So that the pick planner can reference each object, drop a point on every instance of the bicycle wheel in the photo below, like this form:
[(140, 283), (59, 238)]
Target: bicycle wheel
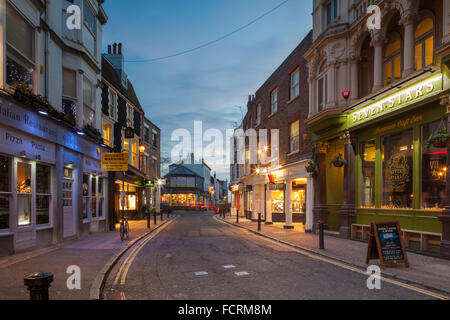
[(127, 229), (122, 231)]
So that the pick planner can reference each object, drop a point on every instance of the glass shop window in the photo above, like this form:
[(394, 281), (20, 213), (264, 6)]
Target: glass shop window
[(368, 174), (249, 200), (101, 196), (24, 195), (397, 155), (277, 201), (93, 197), (434, 170), (299, 196), (43, 194), (5, 191), (86, 195)]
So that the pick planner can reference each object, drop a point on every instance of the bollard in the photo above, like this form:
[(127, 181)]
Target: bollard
[(259, 221), (237, 217), (38, 285), (321, 235), (162, 215), (154, 217), (148, 219)]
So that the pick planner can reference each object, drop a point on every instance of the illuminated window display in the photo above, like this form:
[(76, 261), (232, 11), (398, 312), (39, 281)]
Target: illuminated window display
[(24, 195), (277, 201), (299, 196), (131, 202), (368, 174), (180, 200)]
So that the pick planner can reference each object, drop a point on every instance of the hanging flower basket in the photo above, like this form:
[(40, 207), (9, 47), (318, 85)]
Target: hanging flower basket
[(312, 167), (338, 162), (93, 133), (440, 139)]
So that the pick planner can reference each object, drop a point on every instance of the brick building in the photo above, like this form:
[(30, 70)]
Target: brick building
[(279, 190)]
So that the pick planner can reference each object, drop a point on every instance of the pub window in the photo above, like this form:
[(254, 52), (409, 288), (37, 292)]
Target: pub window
[(392, 59), (367, 153), (86, 196), (424, 44), (93, 197), (5, 191), (299, 196), (397, 154), (277, 201), (24, 195), (434, 171), (19, 48), (43, 194)]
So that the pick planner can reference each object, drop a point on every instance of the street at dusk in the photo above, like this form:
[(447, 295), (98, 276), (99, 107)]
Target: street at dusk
[(226, 159)]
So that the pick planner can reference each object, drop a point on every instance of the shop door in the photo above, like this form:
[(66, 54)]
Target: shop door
[(69, 212)]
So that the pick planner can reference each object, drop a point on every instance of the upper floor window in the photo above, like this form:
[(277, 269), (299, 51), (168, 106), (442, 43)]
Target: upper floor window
[(134, 151), (112, 104), (155, 139), (295, 136), (19, 48), (89, 18), (322, 87), (107, 133), (146, 134), (295, 83), (130, 115), (88, 103), (274, 101), (331, 12), (69, 99), (424, 44), (393, 59), (258, 115)]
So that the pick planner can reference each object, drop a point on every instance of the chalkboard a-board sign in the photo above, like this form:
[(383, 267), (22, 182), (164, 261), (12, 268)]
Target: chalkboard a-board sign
[(386, 244)]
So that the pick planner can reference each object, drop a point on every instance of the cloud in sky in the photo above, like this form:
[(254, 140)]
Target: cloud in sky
[(207, 84)]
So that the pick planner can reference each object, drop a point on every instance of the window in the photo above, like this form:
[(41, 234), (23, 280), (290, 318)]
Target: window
[(147, 134), (67, 193), (424, 47), (397, 154), (299, 196), (88, 103), (107, 133), (94, 197), (155, 168), (295, 84), (434, 171), (101, 196), (331, 12), (258, 115), (274, 101), (367, 153), (19, 48), (89, 18), (130, 115), (134, 153), (24, 194), (393, 60), (43, 195), (86, 196), (322, 88), (155, 139), (295, 136), (277, 201), (5, 191), (112, 100), (145, 164), (69, 99)]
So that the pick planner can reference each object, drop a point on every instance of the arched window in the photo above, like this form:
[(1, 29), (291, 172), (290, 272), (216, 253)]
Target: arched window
[(424, 44), (322, 87), (393, 59), (365, 82)]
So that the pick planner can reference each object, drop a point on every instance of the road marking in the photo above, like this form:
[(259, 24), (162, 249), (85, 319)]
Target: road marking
[(354, 269), (201, 273), (241, 273), (229, 267), (125, 267)]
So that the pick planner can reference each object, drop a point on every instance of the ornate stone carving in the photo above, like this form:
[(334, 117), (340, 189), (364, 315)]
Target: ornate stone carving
[(347, 137), (445, 102)]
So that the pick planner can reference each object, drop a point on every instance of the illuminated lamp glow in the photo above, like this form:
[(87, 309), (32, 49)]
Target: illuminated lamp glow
[(437, 152)]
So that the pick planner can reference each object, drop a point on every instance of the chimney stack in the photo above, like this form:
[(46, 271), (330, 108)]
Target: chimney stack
[(120, 48), (115, 48), (109, 49)]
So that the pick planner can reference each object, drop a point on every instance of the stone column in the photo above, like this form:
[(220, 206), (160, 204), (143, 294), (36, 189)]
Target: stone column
[(288, 208), (445, 217), (309, 205), (348, 209), (408, 55), (377, 43), (354, 78), (321, 210), (268, 206), (331, 85)]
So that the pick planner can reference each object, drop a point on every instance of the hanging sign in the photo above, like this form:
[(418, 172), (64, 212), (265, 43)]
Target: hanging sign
[(115, 161), (386, 244), (129, 133)]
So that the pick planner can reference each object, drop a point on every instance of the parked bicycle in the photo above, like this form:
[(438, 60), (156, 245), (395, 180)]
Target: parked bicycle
[(124, 229)]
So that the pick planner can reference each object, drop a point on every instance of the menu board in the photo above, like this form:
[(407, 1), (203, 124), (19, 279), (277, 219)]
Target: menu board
[(386, 244)]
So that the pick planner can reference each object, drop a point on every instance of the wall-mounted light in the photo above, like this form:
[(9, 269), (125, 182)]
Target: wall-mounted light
[(142, 148), (80, 132), (23, 154)]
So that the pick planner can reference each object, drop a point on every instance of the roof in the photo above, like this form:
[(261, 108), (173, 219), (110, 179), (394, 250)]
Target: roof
[(180, 170), (110, 75)]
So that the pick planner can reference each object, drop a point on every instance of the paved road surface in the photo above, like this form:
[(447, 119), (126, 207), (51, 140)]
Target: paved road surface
[(187, 259)]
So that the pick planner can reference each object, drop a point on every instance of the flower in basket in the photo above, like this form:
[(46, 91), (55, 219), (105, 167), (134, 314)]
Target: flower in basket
[(312, 167), (338, 161), (440, 139)]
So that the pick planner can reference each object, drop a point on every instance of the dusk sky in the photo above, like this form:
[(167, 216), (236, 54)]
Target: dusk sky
[(209, 83)]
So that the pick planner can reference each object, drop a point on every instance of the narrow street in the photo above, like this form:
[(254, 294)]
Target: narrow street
[(198, 257)]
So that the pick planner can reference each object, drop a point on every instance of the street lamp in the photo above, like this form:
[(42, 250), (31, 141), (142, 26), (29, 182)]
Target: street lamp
[(142, 148)]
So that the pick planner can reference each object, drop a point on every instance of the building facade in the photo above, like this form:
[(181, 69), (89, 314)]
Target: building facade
[(151, 160), (379, 99), (51, 184), (280, 189)]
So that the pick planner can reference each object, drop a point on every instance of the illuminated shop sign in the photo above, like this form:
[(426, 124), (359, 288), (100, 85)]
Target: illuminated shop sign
[(398, 100)]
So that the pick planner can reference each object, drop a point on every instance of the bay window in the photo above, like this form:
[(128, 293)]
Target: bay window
[(19, 48), (69, 100), (322, 87), (88, 103)]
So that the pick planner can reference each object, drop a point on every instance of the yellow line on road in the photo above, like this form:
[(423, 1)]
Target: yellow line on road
[(347, 267), (123, 271)]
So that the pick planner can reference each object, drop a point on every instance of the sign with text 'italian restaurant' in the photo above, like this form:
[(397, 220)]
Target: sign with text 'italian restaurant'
[(403, 98), (114, 161)]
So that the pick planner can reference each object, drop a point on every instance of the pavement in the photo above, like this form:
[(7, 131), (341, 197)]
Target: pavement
[(429, 272), (90, 253), (198, 257)]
